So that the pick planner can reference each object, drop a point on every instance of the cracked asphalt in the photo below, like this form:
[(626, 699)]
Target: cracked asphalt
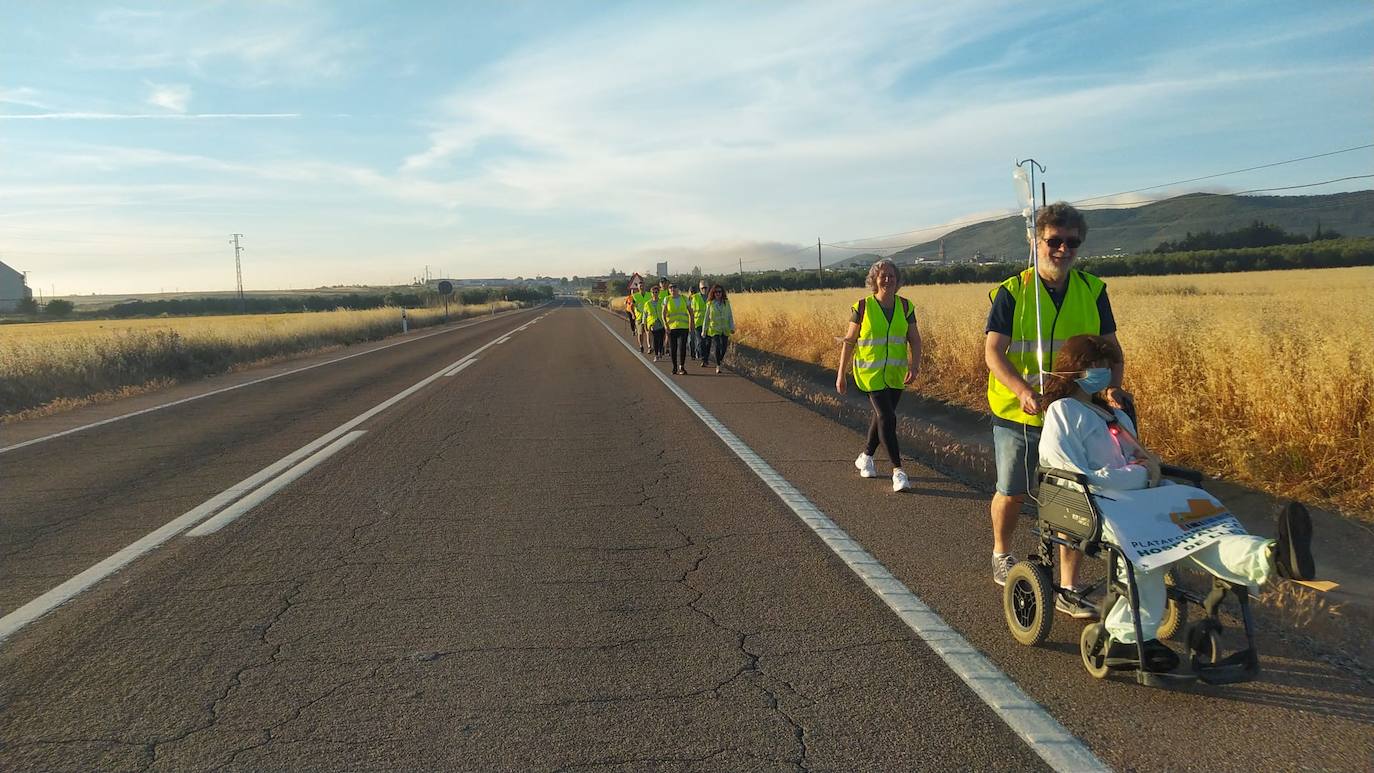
[(543, 563)]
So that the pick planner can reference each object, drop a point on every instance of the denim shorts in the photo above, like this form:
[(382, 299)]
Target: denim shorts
[(1018, 454)]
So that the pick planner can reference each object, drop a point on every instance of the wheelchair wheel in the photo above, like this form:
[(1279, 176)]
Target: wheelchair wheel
[(1175, 611), (1204, 642), (1028, 602), (1092, 646)]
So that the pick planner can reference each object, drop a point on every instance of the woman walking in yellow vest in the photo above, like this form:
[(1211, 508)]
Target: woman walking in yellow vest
[(677, 315), (653, 320), (883, 348), (718, 326)]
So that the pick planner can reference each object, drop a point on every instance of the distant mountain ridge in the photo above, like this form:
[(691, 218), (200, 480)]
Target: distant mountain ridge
[(1140, 229)]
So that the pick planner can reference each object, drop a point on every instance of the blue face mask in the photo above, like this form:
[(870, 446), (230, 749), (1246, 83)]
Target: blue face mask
[(1095, 380)]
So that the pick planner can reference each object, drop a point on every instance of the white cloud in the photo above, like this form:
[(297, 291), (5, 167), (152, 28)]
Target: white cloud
[(296, 43), (93, 116), (24, 97), (170, 96)]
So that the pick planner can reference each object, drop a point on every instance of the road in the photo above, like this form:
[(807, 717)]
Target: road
[(547, 559)]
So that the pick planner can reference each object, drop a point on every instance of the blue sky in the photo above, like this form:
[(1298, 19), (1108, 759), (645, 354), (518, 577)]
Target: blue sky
[(356, 142)]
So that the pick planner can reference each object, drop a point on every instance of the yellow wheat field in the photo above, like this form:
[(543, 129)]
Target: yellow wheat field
[(62, 362), (1265, 378)]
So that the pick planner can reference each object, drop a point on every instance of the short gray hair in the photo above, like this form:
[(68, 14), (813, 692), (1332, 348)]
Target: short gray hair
[(872, 281)]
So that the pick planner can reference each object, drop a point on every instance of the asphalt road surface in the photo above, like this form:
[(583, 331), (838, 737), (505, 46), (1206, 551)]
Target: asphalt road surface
[(544, 558)]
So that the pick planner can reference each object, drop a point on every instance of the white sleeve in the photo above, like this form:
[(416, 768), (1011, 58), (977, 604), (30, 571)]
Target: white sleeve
[(1064, 444)]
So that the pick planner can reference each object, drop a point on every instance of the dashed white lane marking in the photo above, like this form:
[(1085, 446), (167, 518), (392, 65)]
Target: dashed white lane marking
[(69, 589), (228, 514), (456, 369), (1043, 733), (212, 393)]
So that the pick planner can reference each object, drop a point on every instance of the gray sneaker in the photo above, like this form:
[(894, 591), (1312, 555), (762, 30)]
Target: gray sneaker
[(1000, 566), (1078, 610)]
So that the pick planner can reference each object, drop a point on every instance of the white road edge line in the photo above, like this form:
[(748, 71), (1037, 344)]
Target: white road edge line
[(69, 589), (212, 393), (1028, 719), (227, 515)]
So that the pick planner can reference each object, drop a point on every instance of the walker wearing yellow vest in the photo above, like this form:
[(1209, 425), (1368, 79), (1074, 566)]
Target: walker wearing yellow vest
[(882, 348), (653, 320), (677, 315), (1032, 314), (639, 297)]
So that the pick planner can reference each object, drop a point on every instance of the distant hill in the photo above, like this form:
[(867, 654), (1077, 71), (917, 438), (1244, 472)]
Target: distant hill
[(1141, 229)]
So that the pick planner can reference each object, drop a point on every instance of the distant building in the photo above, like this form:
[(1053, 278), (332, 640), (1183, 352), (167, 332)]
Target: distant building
[(661, 269), (13, 289)]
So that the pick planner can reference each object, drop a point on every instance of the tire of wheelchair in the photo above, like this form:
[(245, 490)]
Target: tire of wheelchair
[(1028, 602), (1204, 642), (1092, 647), (1175, 611)]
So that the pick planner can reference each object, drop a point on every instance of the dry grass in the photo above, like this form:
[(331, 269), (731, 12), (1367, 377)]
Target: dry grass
[(50, 365), (1266, 378)]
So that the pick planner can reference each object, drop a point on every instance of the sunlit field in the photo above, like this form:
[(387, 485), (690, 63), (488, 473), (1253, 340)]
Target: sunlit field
[(60, 362), (1266, 378)]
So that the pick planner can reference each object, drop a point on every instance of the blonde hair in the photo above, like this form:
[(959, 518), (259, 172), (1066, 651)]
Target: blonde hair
[(871, 282)]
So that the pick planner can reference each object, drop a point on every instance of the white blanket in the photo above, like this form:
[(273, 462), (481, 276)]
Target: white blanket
[(1158, 526)]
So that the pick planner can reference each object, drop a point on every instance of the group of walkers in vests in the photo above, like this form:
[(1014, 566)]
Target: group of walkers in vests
[(1051, 349), (882, 352), (1054, 389), (693, 325)]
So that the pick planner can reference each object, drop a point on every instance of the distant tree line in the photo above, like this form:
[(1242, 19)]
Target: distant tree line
[(258, 304), (1257, 234), (1323, 253)]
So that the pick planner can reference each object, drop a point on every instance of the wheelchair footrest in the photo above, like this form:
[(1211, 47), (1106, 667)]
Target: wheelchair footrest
[(1240, 666)]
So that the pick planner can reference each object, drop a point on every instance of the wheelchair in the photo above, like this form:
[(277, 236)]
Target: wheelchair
[(1068, 515)]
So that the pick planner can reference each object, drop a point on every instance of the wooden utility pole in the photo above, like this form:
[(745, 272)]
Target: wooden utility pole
[(820, 268)]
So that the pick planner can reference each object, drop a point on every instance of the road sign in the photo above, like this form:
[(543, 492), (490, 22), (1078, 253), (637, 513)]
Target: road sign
[(445, 287)]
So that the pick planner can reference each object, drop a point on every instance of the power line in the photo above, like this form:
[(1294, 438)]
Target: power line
[(1308, 185), (1234, 171), (840, 244)]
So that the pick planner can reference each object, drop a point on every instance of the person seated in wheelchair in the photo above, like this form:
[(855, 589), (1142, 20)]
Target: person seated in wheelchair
[(1083, 434)]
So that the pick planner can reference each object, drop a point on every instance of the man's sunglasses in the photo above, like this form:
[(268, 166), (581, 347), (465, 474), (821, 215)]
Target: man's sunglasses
[(1054, 243)]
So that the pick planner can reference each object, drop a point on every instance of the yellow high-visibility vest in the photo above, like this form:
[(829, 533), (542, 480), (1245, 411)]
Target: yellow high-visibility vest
[(652, 313), (880, 360), (675, 310), (698, 302), (1077, 315)]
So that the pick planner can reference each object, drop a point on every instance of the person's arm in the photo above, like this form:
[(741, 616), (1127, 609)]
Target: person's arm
[(913, 341), (846, 356), (995, 355)]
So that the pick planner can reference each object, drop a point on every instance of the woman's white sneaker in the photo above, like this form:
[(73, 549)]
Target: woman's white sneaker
[(899, 480), (865, 465)]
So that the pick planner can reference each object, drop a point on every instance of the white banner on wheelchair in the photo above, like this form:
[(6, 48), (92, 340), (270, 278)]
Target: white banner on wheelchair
[(1155, 527)]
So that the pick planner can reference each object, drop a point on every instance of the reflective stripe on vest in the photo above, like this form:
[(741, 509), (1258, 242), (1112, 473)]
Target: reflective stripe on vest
[(1077, 315), (880, 360), (675, 310)]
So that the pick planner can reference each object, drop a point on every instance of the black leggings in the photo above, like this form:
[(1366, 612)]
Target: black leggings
[(658, 341), (884, 424), (677, 344), (630, 316), (719, 342)]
